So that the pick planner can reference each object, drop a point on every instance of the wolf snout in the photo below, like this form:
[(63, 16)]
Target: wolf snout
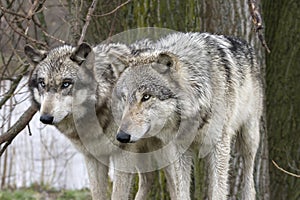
[(46, 119), (123, 137)]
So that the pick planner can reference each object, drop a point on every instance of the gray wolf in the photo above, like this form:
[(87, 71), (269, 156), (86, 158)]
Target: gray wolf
[(198, 84), (52, 85)]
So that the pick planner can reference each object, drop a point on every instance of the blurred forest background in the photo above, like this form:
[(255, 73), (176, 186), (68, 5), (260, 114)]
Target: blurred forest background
[(40, 156)]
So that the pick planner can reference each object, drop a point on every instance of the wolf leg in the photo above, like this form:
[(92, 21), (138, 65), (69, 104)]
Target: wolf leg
[(218, 162), (170, 182), (180, 172), (121, 185), (145, 183), (248, 141), (123, 182), (98, 177)]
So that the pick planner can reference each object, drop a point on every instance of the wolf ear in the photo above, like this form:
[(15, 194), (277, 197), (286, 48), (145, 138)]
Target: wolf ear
[(34, 56), (81, 53), (89, 61), (119, 57), (167, 61)]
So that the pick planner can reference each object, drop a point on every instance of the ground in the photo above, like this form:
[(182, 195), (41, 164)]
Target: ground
[(50, 194)]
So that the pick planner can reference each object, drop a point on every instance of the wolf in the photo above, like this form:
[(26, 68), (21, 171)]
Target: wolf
[(52, 85), (200, 87)]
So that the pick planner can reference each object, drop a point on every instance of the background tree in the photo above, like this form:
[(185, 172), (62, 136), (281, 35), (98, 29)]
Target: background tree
[(283, 98)]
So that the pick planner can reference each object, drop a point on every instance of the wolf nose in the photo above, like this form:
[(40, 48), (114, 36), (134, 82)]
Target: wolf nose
[(46, 119), (123, 137)]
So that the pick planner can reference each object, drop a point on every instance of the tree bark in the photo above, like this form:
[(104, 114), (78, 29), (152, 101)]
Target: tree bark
[(283, 98)]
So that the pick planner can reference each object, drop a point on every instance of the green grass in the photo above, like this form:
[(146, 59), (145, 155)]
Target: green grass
[(32, 194)]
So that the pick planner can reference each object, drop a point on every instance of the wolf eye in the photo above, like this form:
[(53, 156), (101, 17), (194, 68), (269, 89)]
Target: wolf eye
[(123, 97), (42, 83), (146, 97), (65, 85)]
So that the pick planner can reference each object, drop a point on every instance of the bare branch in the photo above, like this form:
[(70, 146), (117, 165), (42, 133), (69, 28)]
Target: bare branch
[(13, 131), (283, 170), (35, 8), (257, 21), (32, 9), (87, 21), (114, 10), (45, 32), (4, 10), (11, 91), (23, 34)]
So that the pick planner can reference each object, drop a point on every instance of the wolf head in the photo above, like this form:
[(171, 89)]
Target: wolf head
[(53, 79), (146, 98)]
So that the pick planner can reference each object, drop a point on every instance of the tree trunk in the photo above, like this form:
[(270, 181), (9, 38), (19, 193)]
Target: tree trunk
[(283, 98)]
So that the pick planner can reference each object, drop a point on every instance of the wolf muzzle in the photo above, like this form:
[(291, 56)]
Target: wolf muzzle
[(123, 137), (47, 119)]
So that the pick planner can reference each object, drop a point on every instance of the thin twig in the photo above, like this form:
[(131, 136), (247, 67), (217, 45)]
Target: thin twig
[(114, 10), (45, 32), (29, 129), (281, 169), (37, 5), (35, 8), (257, 21), (24, 35), (4, 10), (7, 7), (87, 21), (11, 91)]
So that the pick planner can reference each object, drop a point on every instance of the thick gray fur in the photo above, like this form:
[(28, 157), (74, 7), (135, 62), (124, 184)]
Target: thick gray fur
[(205, 80)]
